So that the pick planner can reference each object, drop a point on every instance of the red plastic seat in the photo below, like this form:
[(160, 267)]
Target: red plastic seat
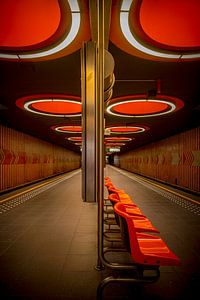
[(108, 184), (116, 197), (145, 249), (140, 222), (113, 189)]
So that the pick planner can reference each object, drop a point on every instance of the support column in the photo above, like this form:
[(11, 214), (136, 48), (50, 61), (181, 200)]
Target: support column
[(89, 120), (100, 126)]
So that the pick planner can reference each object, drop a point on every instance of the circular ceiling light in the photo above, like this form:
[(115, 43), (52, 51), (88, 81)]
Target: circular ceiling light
[(126, 129), (20, 18), (133, 31), (117, 139), (60, 106), (37, 29), (75, 139), (68, 129), (183, 29), (137, 106)]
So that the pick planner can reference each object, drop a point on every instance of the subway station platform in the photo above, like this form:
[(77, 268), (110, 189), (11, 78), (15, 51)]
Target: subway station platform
[(48, 241)]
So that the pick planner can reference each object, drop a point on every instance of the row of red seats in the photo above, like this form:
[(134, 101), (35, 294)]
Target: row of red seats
[(139, 235)]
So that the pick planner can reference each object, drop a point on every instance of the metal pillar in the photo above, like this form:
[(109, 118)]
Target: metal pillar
[(100, 127), (89, 120)]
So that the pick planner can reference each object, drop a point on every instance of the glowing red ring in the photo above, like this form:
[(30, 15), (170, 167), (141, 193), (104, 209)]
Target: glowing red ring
[(75, 139), (125, 129), (167, 105), (38, 104), (67, 128)]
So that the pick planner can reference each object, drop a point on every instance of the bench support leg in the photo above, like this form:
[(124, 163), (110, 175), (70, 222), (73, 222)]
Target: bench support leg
[(115, 279)]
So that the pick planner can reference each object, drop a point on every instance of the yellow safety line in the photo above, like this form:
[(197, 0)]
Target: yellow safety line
[(160, 186), (31, 189), (175, 193)]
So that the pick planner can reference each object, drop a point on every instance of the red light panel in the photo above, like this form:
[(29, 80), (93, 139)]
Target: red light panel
[(68, 129), (173, 23), (28, 22), (157, 29), (57, 107), (140, 108), (124, 129), (75, 139)]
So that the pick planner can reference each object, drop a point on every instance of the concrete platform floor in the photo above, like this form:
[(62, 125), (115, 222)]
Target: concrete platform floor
[(48, 246)]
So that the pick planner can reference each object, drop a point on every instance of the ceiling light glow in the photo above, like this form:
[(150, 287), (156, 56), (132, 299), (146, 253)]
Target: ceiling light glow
[(75, 139), (141, 108), (68, 39), (126, 129), (113, 149), (129, 35), (54, 107), (68, 128)]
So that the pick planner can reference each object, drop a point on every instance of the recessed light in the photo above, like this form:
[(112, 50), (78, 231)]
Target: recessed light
[(126, 129), (51, 105), (139, 106), (75, 139), (133, 32), (68, 128), (55, 47), (54, 107)]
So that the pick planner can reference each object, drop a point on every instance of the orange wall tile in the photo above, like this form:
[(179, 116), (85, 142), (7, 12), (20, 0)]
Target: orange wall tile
[(24, 159), (175, 160)]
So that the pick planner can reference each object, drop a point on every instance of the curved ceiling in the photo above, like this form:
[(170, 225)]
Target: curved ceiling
[(40, 30), (154, 96), (175, 23), (157, 29), (27, 17)]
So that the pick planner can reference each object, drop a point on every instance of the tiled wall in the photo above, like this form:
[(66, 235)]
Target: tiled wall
[(175, 160), (24, 158)]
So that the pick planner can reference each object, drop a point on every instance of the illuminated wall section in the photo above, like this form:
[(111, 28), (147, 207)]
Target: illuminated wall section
[(175, 160), (24, 159)]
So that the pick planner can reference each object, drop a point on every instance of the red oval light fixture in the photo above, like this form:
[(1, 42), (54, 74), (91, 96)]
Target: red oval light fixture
[(67, 128), (157, 29), (40, 30), (139, 106), (75, 139), (175, 23), (126, 129), (27, 23), (51, 105), (117, 139)]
